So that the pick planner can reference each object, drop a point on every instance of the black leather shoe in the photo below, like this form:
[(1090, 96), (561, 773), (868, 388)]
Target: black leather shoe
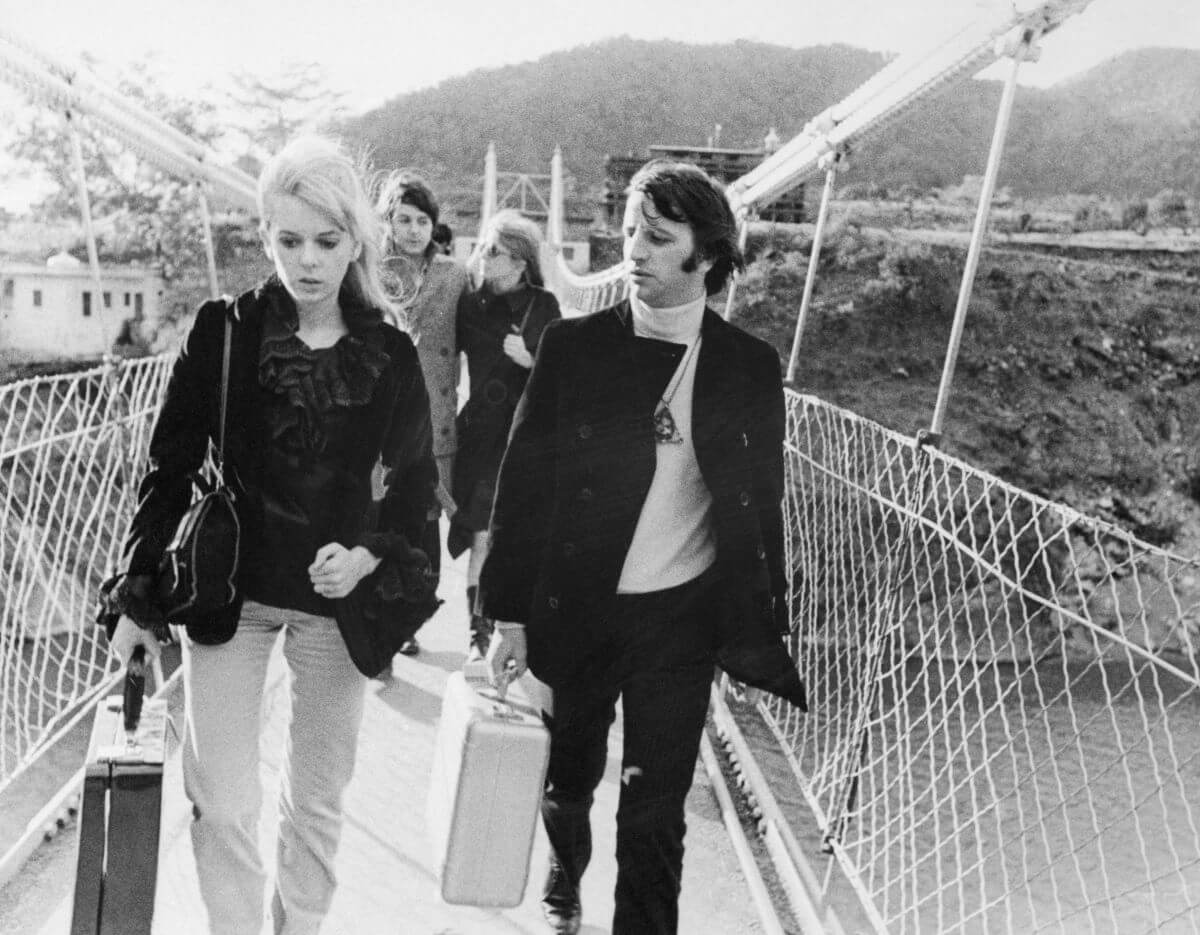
[(560, 902), (410, 647)]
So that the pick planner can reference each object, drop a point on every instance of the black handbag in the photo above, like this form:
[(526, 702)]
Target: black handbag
[(197, 582)]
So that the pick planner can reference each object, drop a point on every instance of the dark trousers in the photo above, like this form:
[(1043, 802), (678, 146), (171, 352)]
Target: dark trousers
[(657, 656)]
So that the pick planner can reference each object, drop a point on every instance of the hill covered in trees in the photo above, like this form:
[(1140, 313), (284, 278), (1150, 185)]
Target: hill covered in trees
[(1128, 127)]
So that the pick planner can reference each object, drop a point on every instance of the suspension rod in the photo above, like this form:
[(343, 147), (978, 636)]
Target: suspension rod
[(979, 230), (89, 229), (210, 252), (814, 258)]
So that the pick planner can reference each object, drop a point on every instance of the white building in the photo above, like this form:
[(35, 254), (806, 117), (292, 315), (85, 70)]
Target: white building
[(54, 311)]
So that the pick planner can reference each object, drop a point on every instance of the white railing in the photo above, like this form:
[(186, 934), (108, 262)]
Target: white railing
[(72, 450), (1004, 732)]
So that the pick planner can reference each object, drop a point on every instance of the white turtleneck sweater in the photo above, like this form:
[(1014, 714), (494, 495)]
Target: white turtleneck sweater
[(675, 539)]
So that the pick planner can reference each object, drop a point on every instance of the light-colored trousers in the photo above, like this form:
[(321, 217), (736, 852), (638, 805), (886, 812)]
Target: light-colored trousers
[(224, 691)]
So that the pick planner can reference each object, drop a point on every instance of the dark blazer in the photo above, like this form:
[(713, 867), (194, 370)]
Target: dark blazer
[(394, 425), (579, 464)]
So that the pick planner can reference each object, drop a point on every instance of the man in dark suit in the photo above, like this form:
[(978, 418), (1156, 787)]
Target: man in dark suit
[(637, 540)]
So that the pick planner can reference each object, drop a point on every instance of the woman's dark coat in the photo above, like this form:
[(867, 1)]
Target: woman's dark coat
[(484, 321), (580, 461), (392, 425)]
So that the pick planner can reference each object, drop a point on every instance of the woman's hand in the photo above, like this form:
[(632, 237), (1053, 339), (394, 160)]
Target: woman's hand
[(336, 570), (128, 636), (518, 353)]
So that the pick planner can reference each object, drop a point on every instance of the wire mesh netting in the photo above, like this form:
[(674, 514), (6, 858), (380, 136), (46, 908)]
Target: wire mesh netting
[(1005, 725), (1005, 694), (72, 449)]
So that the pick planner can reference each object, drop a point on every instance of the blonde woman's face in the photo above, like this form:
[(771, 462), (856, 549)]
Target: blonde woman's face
[(310, 252), (498, 266)]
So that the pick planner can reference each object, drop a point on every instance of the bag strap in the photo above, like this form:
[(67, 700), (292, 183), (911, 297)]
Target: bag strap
[(224, 388)]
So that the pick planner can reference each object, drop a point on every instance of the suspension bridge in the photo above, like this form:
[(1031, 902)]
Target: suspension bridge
[(957, 771)]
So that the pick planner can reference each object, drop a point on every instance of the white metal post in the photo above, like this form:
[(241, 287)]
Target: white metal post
[(209, 250), (980, 229), (743, 235), (554, 222), (814, 258), (89, 231), (488, 206)]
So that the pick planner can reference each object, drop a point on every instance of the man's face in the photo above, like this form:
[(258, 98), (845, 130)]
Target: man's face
[(663, 271), (411, 230)]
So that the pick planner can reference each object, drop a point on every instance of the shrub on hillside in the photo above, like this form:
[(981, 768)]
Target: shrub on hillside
[(1135, 216), (863, 191), (913, 281), (1169, 208), (1093, 216)]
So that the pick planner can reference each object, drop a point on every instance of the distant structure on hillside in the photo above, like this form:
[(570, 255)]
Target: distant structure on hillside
[(52, 311), (723, 164)]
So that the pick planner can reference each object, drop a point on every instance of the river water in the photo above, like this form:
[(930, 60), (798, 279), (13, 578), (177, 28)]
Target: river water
[(1060, 797)]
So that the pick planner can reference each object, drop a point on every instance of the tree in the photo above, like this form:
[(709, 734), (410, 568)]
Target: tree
[(270, 111), (140, 212)]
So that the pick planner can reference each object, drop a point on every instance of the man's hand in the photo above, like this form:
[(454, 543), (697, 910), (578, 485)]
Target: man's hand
[(518, 353), (507, 654), (128, 636), (336, 570)]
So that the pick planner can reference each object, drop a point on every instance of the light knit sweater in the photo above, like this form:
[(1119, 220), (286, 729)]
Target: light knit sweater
[(675, 539)]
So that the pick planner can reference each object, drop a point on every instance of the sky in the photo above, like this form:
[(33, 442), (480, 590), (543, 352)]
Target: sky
[(376, 49), (373, 50)]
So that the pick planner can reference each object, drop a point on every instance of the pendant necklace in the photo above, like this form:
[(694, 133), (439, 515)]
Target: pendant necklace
[(666, 432)]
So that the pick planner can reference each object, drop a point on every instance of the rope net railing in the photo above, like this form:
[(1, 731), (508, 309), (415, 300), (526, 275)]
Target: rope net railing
[(1004, 725), (72, 451)]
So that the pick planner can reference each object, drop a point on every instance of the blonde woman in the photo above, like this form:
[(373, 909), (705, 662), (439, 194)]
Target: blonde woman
[(321, 387), (499, 327)]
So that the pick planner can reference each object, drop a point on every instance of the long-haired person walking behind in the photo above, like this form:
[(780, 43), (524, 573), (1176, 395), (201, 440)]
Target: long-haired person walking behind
[(499, 327), (428, 286), (320, 389)]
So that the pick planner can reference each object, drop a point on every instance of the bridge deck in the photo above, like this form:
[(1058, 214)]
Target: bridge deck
[(387, 879)]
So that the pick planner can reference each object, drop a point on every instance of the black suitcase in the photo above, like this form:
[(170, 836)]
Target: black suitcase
[(120, 814)]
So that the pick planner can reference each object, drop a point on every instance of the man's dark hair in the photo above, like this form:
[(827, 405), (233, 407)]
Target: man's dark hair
[(443, 236), (686, 194), (407, 188)]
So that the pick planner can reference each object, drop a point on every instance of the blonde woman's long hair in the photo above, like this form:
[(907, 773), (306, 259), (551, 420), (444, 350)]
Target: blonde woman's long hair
[(319, 172), (519, 236)]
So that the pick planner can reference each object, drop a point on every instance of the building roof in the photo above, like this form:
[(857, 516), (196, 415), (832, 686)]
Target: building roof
[(108, 273)]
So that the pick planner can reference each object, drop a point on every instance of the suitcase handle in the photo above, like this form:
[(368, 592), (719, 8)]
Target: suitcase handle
[(135, 688)]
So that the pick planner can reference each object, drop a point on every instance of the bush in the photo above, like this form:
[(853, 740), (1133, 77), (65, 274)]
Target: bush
[(1170, 209), (863, 191), (914, 281), (1135, 216), (1093, 216)]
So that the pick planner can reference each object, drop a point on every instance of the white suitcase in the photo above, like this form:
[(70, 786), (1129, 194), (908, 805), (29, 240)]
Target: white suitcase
[(489, 767)]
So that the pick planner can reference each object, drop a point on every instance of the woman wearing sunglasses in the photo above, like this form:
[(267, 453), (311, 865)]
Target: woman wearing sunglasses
[(499, 326)]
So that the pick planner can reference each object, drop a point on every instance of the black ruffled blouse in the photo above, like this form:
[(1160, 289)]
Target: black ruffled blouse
[(310, 494), (304, 433)]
